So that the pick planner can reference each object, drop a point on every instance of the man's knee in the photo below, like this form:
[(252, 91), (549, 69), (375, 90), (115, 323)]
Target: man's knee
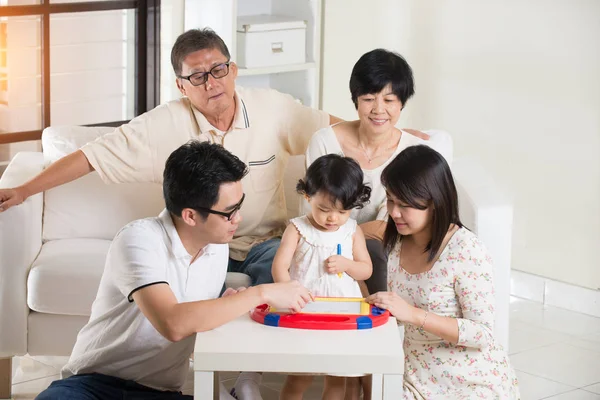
[(259, 263), (260, 272), (268, 249)]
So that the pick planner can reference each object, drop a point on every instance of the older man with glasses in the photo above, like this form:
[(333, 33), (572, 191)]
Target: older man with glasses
[(260, 126)]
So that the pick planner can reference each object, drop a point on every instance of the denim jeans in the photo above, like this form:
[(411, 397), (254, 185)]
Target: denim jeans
[(258, 263), (101, 387)]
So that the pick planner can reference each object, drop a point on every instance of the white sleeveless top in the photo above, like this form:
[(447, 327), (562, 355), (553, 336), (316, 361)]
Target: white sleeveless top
[(314, 247)]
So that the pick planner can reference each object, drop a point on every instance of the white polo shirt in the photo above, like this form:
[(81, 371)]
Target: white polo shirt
[(268, 127), (119, 340)]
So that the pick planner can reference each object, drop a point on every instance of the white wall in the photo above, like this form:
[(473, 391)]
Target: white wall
[(171, 26), (517, 83)]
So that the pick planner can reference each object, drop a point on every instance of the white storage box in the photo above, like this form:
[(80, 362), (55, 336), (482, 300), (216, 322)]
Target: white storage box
[(270, 40)]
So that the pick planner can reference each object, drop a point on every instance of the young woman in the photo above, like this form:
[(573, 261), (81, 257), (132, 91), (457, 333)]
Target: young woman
[(440, 286)]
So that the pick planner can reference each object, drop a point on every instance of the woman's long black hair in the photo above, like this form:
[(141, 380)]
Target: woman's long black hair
[(420, 177)]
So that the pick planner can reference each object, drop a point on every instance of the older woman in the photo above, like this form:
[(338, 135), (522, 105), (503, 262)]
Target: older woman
[(380, 85)]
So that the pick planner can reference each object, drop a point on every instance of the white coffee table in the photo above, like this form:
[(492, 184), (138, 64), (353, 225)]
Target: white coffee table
[(244, 345)]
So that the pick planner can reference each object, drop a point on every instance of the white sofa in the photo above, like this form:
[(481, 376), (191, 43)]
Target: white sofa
[(53, 246)]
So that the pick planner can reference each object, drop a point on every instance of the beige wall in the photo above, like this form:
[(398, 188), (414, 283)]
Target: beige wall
[(517, 84)]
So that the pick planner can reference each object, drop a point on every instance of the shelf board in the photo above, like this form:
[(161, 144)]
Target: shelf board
[(275, 69)]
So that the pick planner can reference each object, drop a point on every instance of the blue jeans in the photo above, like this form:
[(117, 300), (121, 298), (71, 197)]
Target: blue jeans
[(258, 263), (101, 387)]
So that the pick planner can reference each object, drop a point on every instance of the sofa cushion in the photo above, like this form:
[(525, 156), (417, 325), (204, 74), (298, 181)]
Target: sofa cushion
[(89, 208), (86, 207), (58, 141), (65, 277)]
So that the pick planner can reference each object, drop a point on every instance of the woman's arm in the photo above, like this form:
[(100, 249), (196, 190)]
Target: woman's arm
[(283, 258), (444, 327), (361, 267), (474, 289)]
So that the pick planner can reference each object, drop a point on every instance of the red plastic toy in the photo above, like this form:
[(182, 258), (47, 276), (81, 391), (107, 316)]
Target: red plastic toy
[(368, 317)]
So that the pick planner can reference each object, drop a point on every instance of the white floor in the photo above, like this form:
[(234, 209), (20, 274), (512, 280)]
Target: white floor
[(556, 354)]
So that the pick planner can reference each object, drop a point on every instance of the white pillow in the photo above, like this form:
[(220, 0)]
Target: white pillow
[(86, 207)]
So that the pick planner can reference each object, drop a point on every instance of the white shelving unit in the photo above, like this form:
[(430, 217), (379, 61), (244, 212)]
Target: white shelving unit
[(300, 80)]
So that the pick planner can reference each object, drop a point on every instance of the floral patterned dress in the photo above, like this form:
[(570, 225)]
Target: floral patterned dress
[(459, 285)]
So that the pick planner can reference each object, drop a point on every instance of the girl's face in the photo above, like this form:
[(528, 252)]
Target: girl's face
[(379, 112), (408, 220), (325, 215)]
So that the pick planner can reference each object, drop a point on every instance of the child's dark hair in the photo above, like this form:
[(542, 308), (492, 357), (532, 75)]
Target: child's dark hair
[(420, 177), (340, 177)]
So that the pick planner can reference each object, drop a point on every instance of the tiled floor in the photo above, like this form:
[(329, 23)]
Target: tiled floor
[(556, 354)]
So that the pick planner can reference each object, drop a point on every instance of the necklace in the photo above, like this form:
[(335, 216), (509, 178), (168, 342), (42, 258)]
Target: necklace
[(375, 156)]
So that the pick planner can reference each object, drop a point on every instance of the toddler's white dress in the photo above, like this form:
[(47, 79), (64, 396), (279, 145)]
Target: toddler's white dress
[(314, 247)]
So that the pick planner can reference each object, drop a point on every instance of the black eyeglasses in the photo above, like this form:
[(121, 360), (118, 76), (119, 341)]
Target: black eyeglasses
[(229, 215), (200, 78)]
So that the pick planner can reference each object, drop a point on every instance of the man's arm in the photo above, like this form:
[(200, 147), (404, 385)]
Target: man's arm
[(65, 170), (334, 120), (419, 134), (176, 321)]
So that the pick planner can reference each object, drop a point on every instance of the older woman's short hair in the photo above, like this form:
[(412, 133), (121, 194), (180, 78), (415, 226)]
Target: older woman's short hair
[(379, 68)]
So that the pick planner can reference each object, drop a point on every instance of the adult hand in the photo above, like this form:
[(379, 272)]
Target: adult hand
[(286, 295), (419, 134), (337, 264), (395, 304), (11, 197), (230, 291)]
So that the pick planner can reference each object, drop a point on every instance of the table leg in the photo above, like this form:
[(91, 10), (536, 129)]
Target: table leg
[(377, 387), (392, 386), (203, 385)]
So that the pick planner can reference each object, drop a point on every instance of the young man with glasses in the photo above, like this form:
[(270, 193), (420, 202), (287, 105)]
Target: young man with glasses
[(161, 285)]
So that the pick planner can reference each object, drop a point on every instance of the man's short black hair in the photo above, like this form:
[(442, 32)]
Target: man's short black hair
[(195, 172), (379, 68)]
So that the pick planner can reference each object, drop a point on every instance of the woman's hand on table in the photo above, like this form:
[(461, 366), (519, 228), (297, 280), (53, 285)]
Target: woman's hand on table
[(396, 305)]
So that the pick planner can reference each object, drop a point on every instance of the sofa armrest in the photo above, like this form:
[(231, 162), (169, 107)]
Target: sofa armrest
[(488, 211), (20, 243)]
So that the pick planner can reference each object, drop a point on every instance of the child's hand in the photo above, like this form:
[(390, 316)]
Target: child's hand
[(395, 304), (337, 264)]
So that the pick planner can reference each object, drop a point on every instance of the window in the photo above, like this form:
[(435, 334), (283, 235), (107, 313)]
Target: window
[(65, 62)]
